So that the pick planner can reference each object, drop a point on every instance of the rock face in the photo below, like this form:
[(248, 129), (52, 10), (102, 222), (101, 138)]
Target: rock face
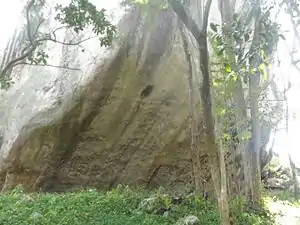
[(126, 123), (121, 119)]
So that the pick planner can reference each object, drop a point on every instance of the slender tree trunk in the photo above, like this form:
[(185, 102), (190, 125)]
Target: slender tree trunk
[(241, 121), (215, 159), (255, 140), (254, 92), (211, 139), (215, 151), (223, 202)]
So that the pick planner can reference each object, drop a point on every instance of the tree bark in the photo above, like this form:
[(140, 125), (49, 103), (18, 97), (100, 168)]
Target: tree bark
[(254, 92), (255, 140), (214, 150)]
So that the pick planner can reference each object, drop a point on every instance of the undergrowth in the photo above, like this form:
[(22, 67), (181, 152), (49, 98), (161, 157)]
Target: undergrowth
[(117, 207), (285, 197)]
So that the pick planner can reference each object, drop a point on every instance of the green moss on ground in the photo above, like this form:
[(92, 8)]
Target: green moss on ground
[(117, 207)]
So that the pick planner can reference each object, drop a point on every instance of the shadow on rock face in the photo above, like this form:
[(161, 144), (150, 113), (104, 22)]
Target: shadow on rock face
[(119, 129)]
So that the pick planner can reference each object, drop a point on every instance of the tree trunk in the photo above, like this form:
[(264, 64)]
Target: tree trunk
[(213, 149), (255, 140), (254, 92), (241, 126), (215, 153)]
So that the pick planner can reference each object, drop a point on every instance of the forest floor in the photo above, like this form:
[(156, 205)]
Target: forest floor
[(285, 209)]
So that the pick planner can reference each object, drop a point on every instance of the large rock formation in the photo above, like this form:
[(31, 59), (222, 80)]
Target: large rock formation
[(125, 123), (121, 118)]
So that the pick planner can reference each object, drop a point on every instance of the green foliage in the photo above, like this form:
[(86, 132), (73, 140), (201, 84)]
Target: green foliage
[(80, 14), (155, 4), (149, 8), (119, 206), (38, 58), (246, 49), (85, 207), (249, 56)]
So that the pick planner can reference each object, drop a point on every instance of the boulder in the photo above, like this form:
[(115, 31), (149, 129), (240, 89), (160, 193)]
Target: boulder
[(120, 120), (121, 117)]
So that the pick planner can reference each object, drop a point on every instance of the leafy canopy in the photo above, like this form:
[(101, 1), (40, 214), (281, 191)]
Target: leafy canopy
[(80, 14)]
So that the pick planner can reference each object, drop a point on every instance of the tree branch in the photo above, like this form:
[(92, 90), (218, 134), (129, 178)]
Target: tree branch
[(65, 43), (57, 29), (31, 49), (12, 63), (48, 65), (185, 18)]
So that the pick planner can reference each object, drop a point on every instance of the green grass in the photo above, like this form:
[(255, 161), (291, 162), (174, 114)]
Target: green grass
[(285, 197), (117, 207)]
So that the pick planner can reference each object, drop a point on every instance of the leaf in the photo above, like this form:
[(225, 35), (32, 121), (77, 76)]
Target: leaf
[(44, 61), (227, 68), (214, 27), (263, 70)]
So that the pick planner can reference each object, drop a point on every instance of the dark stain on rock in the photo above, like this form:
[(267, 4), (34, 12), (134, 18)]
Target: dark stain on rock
[(147, 91)]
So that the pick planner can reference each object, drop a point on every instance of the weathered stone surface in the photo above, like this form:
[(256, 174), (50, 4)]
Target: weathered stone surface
[(126, 124), (122, 118)]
